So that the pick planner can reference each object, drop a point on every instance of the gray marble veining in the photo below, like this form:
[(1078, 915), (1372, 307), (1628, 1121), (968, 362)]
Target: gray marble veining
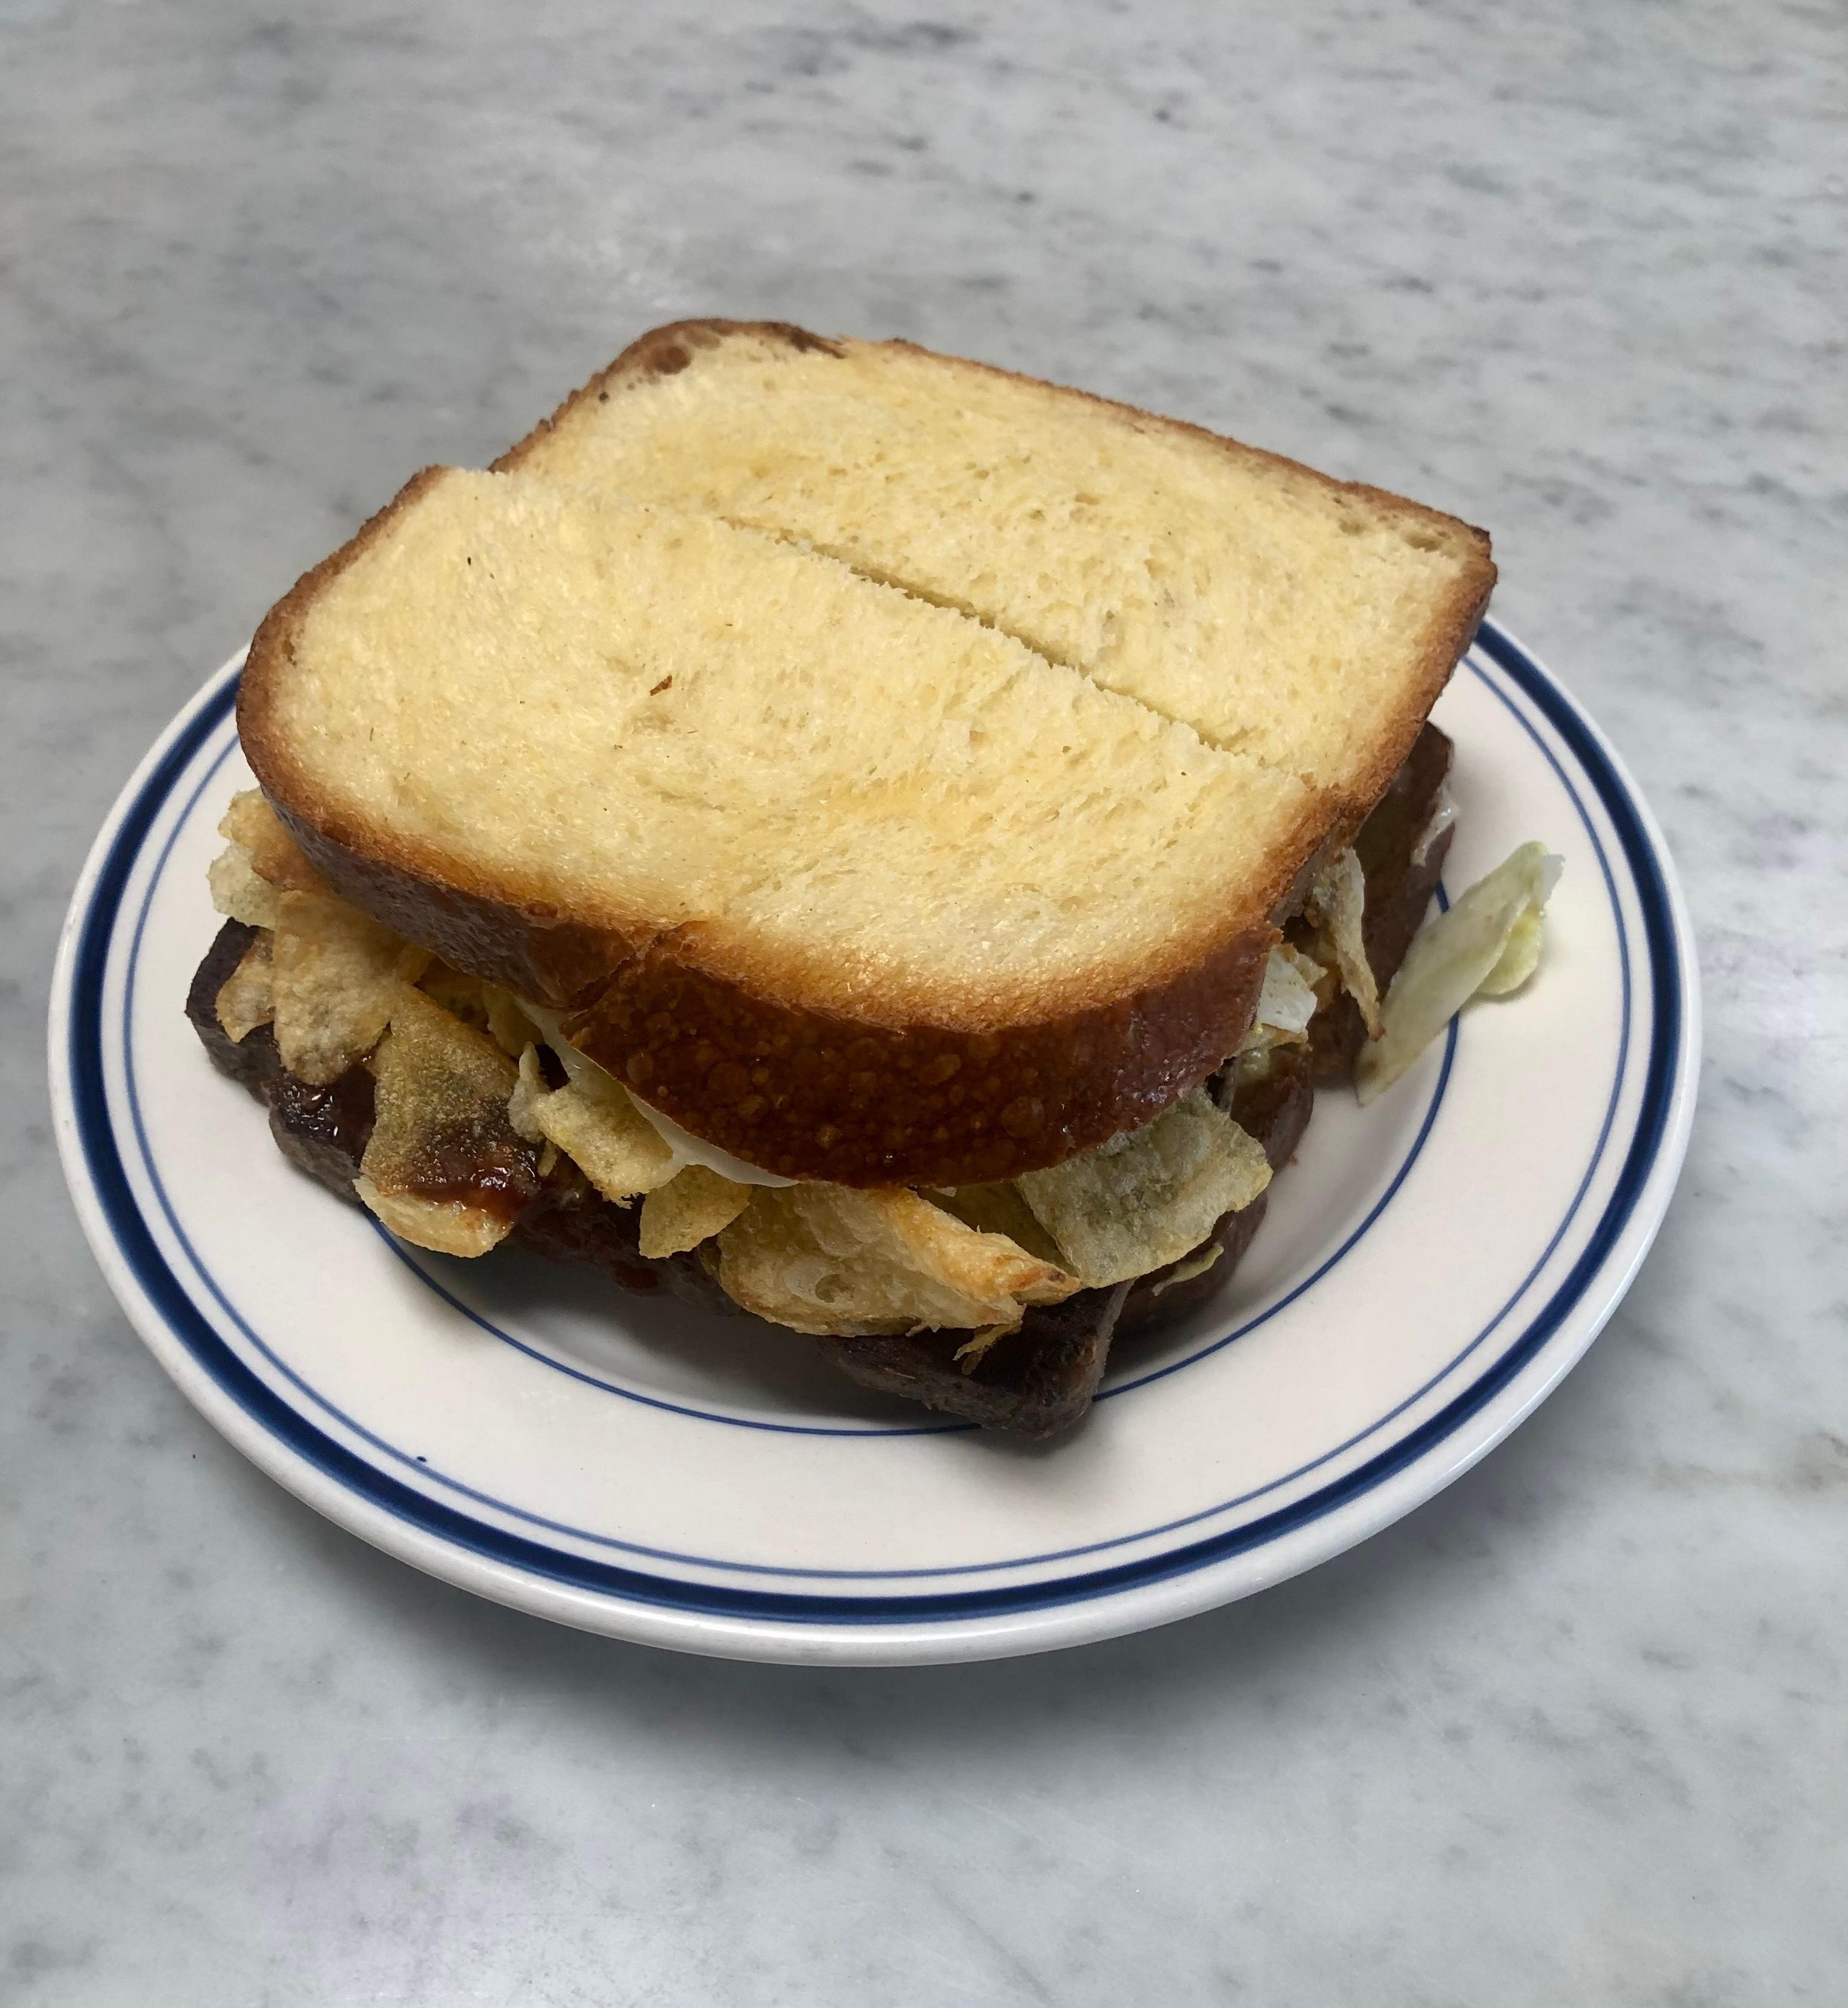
[(1575, 1731)]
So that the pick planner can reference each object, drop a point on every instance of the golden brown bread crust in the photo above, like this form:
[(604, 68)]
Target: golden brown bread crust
[(814, 1096), (803, 1091), (665, 351)]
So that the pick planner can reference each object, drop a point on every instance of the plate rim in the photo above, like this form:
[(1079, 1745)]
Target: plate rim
[(905, 1628)]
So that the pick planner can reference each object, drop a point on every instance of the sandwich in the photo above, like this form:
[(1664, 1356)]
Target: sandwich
[(858, 840)]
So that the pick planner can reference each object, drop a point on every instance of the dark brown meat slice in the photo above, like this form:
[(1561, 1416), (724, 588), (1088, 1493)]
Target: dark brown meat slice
[(1034, 1383)]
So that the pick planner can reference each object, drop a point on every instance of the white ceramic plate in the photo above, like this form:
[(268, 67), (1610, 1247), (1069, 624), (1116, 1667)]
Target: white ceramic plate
[(1428, 1269)]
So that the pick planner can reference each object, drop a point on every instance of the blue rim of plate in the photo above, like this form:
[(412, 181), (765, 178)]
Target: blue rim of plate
[(135, 1243)]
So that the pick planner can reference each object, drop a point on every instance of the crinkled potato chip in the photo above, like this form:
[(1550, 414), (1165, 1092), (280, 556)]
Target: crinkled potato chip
[(274, 854), (260, 862), (239, 892), (336, 977), (1148, 1198), (441, 1131), (1487, 945), (691, 1207), (244, 999), (509, 1026), (999, 1209), (611, 1145), (459, 994), (483, 1005), (440, 1085), (1337, 906), (836, 1262), (447, 1226), (592, 1120)]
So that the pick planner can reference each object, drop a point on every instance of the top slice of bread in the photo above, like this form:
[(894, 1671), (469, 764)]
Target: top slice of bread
[(862, 859), (1310, 622)]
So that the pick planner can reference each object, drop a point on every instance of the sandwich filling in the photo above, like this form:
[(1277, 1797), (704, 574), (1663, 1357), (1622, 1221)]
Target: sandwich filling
[(477, 1097), (460, 1063)]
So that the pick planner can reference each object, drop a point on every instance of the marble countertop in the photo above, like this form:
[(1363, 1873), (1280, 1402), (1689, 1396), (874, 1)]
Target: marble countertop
[(1574, 1731)]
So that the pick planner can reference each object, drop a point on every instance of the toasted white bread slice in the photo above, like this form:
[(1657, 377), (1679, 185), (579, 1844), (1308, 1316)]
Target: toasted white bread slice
[(1309, 621), (896, 766), (850, 884)]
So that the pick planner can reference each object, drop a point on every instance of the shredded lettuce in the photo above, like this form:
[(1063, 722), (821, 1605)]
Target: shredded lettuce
[(1487, 945)]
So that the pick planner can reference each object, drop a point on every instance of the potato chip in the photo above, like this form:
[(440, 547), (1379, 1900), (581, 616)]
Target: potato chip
[(837, 1262), (260, 863), (436, 1078), (459, 994), (691, 1207), (1487, 945), (592, 1120), (440, 1131), (483, 1005), (1149, 1197), (336, 977), (1336, 906), (447, 1226), (607, 1139), (999, 1209), (239, 892), (274, 855), (244, 999), (508, 1025)]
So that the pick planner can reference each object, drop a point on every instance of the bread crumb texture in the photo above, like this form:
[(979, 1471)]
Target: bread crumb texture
[(669, 725), (1274, 611)]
